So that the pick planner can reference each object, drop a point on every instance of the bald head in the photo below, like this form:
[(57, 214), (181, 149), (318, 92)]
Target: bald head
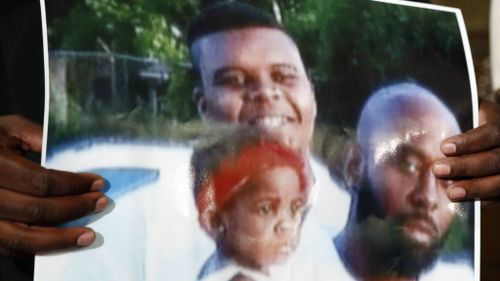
[(397, 113)]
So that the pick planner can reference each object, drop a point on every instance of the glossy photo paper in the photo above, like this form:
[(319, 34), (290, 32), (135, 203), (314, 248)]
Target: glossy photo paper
[(273, 140)]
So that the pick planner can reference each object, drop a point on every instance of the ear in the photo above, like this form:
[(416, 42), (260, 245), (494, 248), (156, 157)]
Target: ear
[(200, 100), (313, 92), (211, 223), (354, 167), (315, 107)]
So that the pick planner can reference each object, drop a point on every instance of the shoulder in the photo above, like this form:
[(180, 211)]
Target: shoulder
[(217, 268), (330, 202)]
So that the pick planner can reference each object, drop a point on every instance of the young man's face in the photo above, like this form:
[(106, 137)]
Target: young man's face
[(255, 77), (399, 172), (262, 220)]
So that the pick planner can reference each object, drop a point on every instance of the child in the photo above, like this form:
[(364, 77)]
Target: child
[(251, 200)]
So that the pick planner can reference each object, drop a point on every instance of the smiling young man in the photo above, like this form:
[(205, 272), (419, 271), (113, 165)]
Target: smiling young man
[(400, 213), (251, 73)]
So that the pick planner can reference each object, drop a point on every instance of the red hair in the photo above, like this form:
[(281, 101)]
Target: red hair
[(232, 173)]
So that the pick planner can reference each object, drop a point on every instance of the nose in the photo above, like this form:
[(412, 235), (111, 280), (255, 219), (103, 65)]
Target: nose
[(264, 90), (425, 192), (284, 228), (286, 224)]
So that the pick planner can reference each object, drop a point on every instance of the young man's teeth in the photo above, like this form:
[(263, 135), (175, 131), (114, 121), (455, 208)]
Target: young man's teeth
[(270, 121)]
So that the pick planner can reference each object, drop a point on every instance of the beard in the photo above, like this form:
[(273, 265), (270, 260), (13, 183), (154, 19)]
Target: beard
[(390, 249)]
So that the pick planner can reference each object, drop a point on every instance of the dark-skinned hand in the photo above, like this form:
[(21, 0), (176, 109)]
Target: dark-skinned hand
[(473, 159), (33, 200)]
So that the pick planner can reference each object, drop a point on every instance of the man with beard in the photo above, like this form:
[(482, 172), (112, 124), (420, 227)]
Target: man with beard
[(400, 213)]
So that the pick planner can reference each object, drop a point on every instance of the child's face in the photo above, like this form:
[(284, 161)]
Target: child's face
[(262, 220)]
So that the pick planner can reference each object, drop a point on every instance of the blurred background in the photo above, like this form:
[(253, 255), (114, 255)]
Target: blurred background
[(477, 19), (124, 66)]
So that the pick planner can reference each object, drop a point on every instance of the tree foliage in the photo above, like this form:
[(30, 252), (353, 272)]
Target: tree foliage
[(350, 47), (355, 47)]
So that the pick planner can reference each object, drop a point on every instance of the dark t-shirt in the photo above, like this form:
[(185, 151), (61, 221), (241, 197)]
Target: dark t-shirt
[(21, 85)]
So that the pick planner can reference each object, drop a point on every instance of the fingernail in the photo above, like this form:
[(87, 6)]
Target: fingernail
[(85, 239), (441, 169), (101, 204), (98, 185), (457, 193), (449, 148)]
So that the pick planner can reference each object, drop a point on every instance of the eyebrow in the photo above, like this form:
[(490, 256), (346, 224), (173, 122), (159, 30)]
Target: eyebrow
[(219, 72), (276, 66), (284, 65), (406, 148), (265, 196)]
